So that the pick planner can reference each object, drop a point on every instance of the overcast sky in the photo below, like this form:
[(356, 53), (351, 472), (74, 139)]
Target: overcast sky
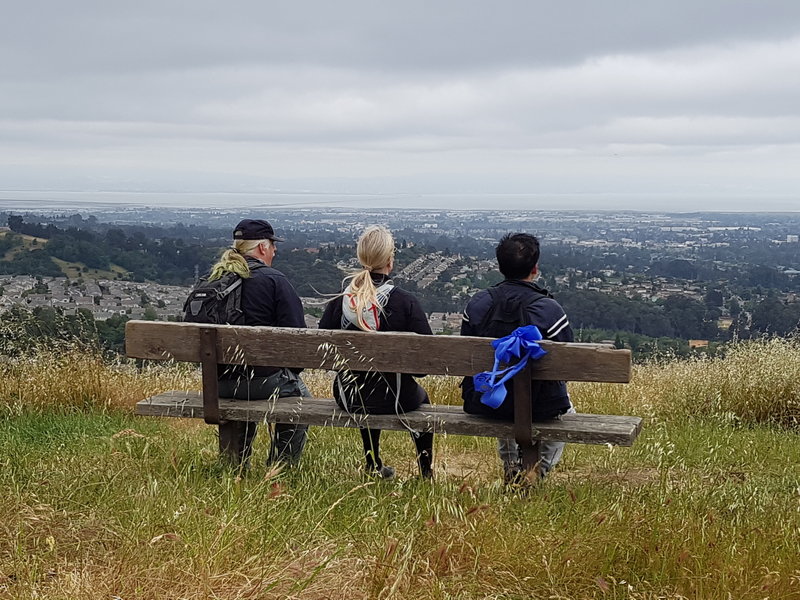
[(685, 105)]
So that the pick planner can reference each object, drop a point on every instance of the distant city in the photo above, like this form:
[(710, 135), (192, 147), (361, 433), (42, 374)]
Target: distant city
[(729, 264)]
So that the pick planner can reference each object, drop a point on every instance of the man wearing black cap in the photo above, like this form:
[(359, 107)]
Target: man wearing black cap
[(267, 299)]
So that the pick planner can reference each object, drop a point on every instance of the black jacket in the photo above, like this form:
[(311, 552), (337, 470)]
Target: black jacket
[(550, 398), (267, 299), (375, 392)]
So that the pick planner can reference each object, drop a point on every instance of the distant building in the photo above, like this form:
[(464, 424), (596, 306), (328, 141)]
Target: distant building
[(437, 321), (698, 344)]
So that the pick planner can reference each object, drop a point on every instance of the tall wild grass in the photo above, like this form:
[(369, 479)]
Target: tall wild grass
[(756, 381), (72, 377), (95, 503)]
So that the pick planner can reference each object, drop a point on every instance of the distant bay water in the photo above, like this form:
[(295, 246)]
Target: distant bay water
[(59, 200)]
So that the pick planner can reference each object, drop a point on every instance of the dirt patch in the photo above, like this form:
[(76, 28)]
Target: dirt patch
[(464, 465), (632, 477)]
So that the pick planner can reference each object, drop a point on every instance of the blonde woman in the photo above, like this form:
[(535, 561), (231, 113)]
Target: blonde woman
[(371, 302), (267, 299)]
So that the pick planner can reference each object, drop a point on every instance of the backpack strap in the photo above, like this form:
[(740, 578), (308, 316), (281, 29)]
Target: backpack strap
[(495, 293), (533, 293), (507, 309), (234, 307)]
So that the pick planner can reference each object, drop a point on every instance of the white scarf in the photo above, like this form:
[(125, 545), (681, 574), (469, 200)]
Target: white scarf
[(369, 314)]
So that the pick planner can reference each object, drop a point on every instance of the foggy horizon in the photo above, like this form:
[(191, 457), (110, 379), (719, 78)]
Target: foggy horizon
[(49, 200)]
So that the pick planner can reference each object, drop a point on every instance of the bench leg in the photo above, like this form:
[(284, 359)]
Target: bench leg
[(208, 345), (531, 457), (521, 462), (528, 447)]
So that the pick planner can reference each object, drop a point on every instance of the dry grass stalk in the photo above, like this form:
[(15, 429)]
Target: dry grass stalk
[(96, 503)]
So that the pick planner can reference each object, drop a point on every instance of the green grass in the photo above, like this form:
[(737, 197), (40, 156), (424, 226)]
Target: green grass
[(27, 245), (73, 270), (97, 503)]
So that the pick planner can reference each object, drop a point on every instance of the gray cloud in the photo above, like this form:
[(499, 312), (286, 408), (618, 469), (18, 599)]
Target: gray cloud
[(100, 36), (513, 97)]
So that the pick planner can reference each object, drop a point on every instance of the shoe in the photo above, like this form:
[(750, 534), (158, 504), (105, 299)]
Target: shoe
[(519, 477), (513, 476), (385, 472)]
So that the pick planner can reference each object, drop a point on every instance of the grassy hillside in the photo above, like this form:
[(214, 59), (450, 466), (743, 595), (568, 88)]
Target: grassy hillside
[(72, 270), (95, 503), (29, 242)]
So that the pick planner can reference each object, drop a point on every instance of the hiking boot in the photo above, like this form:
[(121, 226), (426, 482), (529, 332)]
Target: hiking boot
[(513, 476), (520, 477), (384, 472)]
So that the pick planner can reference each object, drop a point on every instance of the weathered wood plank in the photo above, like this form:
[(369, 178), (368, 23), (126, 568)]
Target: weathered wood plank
[(195, 396), (394, 352), (577, 428)]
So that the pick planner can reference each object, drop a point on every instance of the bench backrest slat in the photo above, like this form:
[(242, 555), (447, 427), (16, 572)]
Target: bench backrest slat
[(393, 352)]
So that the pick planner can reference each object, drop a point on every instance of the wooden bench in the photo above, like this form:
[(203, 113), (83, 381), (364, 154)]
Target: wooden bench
[(393, 352)]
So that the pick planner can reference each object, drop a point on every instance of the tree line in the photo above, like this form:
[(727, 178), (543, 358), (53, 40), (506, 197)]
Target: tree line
[(175, 254)]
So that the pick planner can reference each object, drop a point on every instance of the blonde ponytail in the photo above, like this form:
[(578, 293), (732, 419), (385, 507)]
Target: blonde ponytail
[(233, 259), (375, 249)]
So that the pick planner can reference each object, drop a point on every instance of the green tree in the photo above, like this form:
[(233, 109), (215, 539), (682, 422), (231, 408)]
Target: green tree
[(618, 343)]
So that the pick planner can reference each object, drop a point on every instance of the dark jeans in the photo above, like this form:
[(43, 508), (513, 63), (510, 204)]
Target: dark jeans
[(236, 437)]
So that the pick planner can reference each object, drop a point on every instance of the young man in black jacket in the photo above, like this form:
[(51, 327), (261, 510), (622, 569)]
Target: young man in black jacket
[(518, 259)]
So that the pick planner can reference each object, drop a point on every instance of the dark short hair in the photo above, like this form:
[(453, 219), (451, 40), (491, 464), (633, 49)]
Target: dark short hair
[(517, 254)]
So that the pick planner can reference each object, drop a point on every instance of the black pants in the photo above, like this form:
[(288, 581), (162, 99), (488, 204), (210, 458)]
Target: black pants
[(236, 437), (422, 441)]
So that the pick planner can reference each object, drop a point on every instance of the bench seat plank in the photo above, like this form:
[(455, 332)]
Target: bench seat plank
[(577, 428)]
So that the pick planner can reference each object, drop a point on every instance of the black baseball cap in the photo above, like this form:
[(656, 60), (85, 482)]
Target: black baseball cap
[(255, 229)]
